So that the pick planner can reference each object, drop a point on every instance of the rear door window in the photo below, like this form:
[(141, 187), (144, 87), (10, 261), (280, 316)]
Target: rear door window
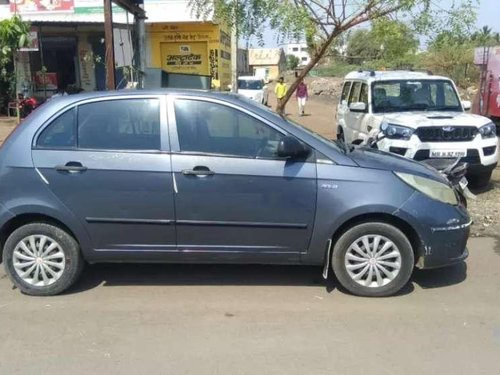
[(60, 133), (345, 91), (363, 94), (125, 124), (354, 95)]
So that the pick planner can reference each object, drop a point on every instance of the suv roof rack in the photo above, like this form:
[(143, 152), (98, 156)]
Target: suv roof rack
[(372, 72)]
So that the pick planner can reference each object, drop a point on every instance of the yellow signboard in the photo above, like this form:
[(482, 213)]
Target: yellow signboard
[(185, 57)]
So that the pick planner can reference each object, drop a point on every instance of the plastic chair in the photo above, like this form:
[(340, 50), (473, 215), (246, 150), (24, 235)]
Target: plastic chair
[(12, 106)]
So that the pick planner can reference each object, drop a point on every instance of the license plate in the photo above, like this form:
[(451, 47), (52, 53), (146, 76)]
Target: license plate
[(463, 183), (448, 153)]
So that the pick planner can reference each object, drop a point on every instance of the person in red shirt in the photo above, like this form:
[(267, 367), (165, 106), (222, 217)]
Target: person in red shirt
[(302, 96)]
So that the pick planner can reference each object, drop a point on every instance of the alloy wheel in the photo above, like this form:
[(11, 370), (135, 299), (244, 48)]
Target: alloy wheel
[(373, 261), (38, 260)]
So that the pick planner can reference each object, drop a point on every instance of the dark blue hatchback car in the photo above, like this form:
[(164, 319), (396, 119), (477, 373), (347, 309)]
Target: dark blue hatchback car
[(186, 176)]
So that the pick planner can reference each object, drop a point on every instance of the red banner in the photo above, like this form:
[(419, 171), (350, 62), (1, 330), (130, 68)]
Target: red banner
[(41, 6), (47, 81)]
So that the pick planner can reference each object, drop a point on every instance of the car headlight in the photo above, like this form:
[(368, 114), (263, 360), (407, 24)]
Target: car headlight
[(393, 131), (488, 131), (433, 189)]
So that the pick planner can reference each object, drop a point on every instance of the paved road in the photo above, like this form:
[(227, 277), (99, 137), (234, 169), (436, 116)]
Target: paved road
[(186, 319)]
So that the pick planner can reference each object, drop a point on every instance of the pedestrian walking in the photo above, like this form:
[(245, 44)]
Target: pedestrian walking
[(280, 90), (302, 96)]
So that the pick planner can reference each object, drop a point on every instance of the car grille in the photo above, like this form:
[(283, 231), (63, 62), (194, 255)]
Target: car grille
[(446, 133), (471, 158)]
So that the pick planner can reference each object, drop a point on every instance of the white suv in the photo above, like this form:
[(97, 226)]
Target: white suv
[(421, 117)]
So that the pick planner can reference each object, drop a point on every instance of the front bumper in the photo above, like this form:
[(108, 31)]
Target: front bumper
[(442, 229), (482, 154), (446, 246)]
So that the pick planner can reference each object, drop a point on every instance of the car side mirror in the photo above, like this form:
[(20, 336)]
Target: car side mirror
[(357, 107), (467, 105), (291, 147)]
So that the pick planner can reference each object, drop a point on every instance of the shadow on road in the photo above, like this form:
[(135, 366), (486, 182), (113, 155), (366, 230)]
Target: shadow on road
[(441, 277), (187, 274), (199, 274)]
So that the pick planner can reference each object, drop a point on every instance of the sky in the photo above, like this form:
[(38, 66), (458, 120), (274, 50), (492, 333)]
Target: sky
[(487, 14)]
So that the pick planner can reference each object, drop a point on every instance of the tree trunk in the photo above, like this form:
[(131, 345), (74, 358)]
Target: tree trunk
[(318, 54)]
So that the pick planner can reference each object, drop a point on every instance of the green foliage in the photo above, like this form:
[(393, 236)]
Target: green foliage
[(13, 35), (361, 47), (395, 40), (292, 62), (321, 22), (452, 56), (485, 37)]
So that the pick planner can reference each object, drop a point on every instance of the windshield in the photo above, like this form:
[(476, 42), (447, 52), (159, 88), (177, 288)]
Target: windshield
[(247, 84), (414, 95)]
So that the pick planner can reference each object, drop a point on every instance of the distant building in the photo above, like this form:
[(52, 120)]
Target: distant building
[(299, 50), (267, 63), (67, 43)]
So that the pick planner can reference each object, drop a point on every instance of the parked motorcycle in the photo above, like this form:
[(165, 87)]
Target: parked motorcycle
[(27, 105), (453, 169)]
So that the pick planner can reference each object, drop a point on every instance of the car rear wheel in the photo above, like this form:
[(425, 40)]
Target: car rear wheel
[(373, 260), (42, 259)]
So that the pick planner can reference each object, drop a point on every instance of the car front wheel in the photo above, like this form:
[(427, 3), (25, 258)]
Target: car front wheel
[(373, 260), (42, 259)]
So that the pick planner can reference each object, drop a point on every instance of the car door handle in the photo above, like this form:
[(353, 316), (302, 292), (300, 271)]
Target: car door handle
[(198, 171), (72, 166)]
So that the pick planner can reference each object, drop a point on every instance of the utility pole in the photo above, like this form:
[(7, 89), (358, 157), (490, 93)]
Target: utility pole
[(234, 50), (141, 34), (109, 46)]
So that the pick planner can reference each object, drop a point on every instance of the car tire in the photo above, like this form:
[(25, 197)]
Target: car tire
[(480, 181), (42, 259), (364, 276)]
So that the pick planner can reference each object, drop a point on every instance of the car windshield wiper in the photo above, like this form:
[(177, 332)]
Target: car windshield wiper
[(445, 108)]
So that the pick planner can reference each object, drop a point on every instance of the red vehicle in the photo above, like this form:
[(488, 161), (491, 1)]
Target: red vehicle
[(487, 100)]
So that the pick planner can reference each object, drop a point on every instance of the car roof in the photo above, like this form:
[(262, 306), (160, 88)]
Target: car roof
[(387, 75), (69, 99)]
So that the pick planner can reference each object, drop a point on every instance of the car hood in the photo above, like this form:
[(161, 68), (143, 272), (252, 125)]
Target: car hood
[(375, 159), (417, 119)]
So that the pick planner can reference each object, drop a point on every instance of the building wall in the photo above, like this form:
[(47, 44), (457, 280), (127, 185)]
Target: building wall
[(272, 72), (300, 51), (191, 47)]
